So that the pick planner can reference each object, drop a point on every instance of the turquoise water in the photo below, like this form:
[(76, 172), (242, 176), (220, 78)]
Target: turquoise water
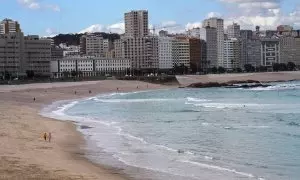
[(221, 133)]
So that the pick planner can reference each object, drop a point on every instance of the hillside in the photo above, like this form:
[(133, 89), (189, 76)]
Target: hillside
[(74, 39)]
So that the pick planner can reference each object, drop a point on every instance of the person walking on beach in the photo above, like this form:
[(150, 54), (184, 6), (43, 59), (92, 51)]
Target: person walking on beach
[(34, 99), (49, 136), (45, 136)]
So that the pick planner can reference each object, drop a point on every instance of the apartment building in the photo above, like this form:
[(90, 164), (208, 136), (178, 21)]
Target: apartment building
[(11, 54), (232, 54), (143, 51), (209, 55), (288, 49), (181, 51), (195, 54), (37, 54), (253, 53), (270, 51), (165, 50), (136, 23), (9, 26), (233, 31), (219, 25)]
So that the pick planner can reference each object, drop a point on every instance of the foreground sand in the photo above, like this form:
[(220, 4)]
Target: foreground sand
[(23, 153), (223, 78)]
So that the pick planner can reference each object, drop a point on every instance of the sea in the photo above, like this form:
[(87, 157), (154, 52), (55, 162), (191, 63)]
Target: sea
[(192, 134)]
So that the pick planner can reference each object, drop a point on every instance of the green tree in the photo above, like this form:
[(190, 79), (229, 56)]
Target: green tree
[(291, 66), (30, 74), (249, 68), (74, 73), (276, 67), (214, 70), (282, 67), (221, 70), (66, 74)]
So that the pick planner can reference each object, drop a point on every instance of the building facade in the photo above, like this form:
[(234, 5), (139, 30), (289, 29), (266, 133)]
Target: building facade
[(89, 66), (233, 31), (165, 57), (219, 25), (270, 52), (37, 54), (136, 23), (181, 51), (253, 53), (232, 54), (209, 56), (11, 54), (143, 51), (288, 49), (195, 54), (9, 26), (94, 45)]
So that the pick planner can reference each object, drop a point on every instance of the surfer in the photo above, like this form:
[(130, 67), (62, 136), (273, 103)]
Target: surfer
[(180, 151)]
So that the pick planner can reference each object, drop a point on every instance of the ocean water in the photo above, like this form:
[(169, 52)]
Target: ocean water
[(213, 133)]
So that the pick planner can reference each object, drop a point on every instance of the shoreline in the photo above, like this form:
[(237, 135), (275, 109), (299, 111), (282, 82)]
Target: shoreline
[(64, 158)]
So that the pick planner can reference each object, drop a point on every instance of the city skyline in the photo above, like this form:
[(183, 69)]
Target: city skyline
[(53, 17)]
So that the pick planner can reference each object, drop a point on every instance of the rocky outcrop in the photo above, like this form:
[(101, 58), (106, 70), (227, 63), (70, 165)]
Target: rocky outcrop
[(229, 84)]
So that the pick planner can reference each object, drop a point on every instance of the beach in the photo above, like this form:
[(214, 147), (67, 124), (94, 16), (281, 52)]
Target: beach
[(23, 152), (186, 80), (25, 155)]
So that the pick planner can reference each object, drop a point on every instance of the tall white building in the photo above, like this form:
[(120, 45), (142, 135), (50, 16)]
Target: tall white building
[(233, 31), (209, 45), (181, 51), (165, 57), (136, 23), (219, 25), (232, 54), (270, 52), (9, 26)]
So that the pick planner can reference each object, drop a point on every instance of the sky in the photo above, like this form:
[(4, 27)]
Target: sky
[(50, 17)]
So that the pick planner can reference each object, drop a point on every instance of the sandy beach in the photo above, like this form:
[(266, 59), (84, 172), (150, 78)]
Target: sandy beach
[(223, 78), (23, 152), (25, 155)]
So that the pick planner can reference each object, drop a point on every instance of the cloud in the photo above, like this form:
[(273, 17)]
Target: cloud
[(36, 4), (113, 28), (51, 32), (265, 13)]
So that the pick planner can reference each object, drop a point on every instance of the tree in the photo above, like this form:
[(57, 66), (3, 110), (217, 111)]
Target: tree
[(238, 70), (282, 67), (221, 70), (30, 74), (291, 66), (214, 70), (276, 67), (249, 68), (66, 74), (74, 73), (262, 69), (7, 75)]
